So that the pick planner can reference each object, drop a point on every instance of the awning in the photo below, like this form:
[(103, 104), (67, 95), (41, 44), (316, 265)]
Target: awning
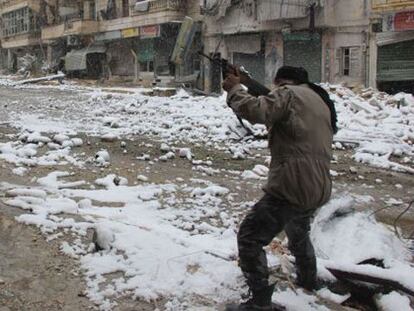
[(386, 38), (76, 59)]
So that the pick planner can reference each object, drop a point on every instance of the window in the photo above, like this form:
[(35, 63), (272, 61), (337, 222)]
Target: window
[(350, 61), (92, 10), (18, 22), (346, 61), (125, 8)]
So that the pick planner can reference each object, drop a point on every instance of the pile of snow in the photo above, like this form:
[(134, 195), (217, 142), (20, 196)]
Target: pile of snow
[(25, 151), (160, 244), (381, 124)]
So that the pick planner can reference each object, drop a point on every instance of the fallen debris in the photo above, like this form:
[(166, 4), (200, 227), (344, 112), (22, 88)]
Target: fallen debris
[(58, 77)]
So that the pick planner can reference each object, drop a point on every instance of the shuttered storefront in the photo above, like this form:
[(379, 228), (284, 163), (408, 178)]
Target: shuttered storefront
[(304, 50), (247, 51), (396, 62), (253, 63)]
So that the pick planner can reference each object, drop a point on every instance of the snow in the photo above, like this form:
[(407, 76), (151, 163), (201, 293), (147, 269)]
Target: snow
[(161, 237), (380, 125), (337, 226), (394, 301)]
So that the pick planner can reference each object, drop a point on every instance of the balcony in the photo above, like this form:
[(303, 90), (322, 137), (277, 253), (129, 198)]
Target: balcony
[(391, 5), (153, 6), (143, 13), (20, 40), (71, 27), (282, 9), (12, 5)]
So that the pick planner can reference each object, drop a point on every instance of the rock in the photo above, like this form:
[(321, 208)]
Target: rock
[(353, 170), (115, 125), (185, 153), (77, 142), (144, 157), (109, 138), (165, 148), (142, 178), (60, 138), (67, 143), (102, 156), (102, 237), (123, 144)]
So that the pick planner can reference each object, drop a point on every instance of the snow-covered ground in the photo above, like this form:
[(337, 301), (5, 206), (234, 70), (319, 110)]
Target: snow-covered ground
[(176, 239)]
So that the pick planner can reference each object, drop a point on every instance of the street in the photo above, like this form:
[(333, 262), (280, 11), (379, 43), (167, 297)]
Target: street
[(163, 183)]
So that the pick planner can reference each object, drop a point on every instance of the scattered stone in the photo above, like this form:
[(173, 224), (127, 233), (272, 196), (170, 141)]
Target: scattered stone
[(168, 156), (339, 146), (123, 144), (102, 237), (142, 178), (77, 142), (109, 138), (60, 138), (353, 170), (102, 156), (185, 153), (144, 157), (378, 181), (165, 148)]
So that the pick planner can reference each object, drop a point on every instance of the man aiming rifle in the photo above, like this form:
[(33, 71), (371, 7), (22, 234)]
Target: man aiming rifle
[(301, 121)]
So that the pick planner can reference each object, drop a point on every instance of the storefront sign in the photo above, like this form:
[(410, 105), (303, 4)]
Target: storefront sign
[(130, 32), (149, 31), (404, 21), (399, 21), (110, 35)]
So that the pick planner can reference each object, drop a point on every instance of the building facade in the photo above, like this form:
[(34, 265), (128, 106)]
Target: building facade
[(20, 32), (329, 38), (359, 42), (392, 45), (127, 39)]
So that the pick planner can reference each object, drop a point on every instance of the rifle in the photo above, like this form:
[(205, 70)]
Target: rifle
[(254, 88)]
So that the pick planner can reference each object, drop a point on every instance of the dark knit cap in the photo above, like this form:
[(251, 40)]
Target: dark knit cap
[(298, 74)]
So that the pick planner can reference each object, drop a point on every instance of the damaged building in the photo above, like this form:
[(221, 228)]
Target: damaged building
[(357, 42), (328, 38), (112, 39), (20, 35), (117, 39), (392, 46)]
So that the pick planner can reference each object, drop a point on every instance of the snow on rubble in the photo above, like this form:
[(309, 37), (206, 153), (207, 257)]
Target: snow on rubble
[(158, 244), (176, 240), (380, 125), (161, 249)]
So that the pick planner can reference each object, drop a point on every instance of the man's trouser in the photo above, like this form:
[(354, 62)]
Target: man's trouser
[(267, 218)]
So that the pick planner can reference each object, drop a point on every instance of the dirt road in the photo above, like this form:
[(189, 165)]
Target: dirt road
[(34, 275)]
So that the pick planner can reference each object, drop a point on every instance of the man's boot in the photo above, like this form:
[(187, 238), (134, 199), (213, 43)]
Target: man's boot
[(261, 301)]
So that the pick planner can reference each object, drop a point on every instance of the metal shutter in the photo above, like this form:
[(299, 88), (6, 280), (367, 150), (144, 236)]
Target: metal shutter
[(396, 62), (253, 63), (304, 50)]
